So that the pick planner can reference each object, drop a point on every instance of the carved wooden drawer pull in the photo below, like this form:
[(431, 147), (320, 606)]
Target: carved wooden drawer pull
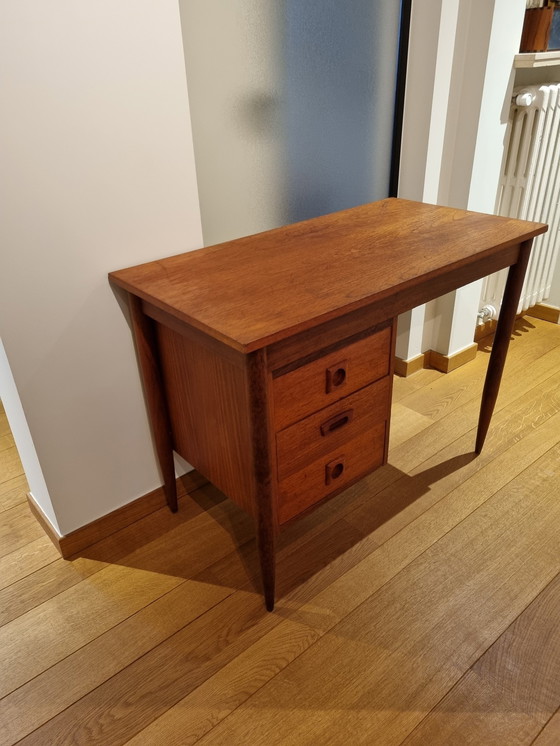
[(335, 423), (334, 469), (336, 375)]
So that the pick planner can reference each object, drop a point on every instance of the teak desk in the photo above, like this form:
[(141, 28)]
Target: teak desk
[(267, 361)]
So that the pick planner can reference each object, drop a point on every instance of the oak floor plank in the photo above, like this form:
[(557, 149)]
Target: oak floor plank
[(156, 542), (422, 486), (6, 441), (298, 563), (197, 713), (34, 589), (447, 393), (442, 402), (158, 669), (17, 528), (13, 492), (46, 695), (540, 443), (404, 386), (526, 665), (298, 559), (10, 465), (448, 429), (4, 425), (27, 560), (414, 638), (477, 714), (177, 550), (43, 636), (402, 547), (114, 712), (405, 423), (550, 734), (512, 691)]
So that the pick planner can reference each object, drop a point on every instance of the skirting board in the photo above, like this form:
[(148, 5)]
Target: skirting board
[(447, 363), (85, 536), (433, 359), (405, 368), (544, 312)]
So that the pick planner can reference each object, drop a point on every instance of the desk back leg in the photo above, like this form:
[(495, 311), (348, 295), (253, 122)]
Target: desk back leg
[(502, 337), (262, 468), (146, 349)]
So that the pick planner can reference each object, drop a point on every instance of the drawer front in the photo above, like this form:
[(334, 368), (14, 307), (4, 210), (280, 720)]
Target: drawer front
[(332, 427), (315, 385), (331, 473)]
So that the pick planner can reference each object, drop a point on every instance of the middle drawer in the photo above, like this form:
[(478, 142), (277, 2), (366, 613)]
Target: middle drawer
[(331, 427)]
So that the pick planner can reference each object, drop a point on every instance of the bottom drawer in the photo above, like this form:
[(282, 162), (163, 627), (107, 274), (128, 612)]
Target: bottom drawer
[(331, 473)]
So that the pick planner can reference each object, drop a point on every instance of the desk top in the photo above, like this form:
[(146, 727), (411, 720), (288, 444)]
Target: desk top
[(263, 288)]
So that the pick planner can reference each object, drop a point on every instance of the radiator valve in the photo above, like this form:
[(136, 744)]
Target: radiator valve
[(486, 313), (525, 98)]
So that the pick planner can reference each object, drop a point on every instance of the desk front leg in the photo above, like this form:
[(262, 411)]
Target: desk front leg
[(146, 349), (262, 467), (502, 337)]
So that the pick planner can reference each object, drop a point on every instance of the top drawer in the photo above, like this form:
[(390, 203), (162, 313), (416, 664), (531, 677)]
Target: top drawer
[(315, 385)]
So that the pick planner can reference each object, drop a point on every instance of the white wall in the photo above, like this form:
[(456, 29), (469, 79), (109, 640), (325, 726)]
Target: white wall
[(234, 74), (554, 297), (291, 108), (487, 40), (97, 174), (470, 76), (26, 449), (433, 28)]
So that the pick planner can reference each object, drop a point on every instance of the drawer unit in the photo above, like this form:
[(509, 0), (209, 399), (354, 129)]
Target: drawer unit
[(331, 427), (312, 386), (331, 417)]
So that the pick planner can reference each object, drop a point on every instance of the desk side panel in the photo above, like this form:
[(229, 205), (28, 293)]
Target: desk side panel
[(208, 403)]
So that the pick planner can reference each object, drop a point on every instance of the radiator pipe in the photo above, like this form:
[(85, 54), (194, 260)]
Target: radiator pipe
[(486, 313)]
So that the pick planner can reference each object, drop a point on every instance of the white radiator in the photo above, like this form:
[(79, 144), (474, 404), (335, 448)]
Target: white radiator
[(530, 188)]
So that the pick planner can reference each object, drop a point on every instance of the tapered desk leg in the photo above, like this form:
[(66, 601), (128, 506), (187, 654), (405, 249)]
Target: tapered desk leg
[(502, 337), (146, 349), (266, 517)]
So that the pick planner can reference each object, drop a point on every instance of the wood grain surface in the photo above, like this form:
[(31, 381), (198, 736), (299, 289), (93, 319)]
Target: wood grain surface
[(512, 691), (144, 333), (304, 488), (208, 400), (333, 427), (550, 735), (305, 389), (272, 285)]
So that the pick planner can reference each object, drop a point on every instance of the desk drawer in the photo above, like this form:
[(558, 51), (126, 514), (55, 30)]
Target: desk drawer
[(332, 427), (331, 473), (321, 382)]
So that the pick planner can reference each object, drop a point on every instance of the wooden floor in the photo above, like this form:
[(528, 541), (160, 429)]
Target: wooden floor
[(421, 606)]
